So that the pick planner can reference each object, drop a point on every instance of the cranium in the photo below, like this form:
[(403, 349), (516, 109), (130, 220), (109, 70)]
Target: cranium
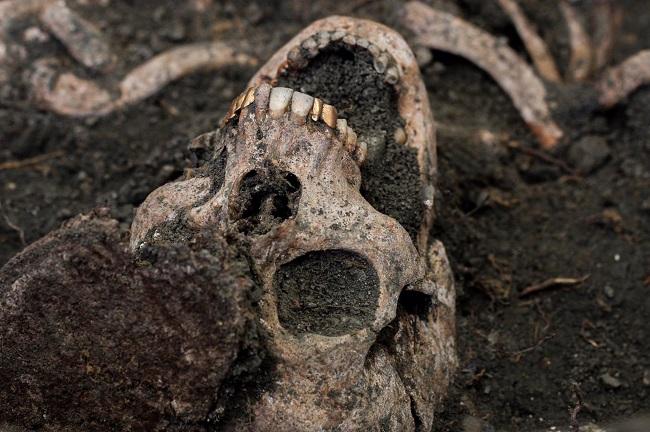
[(357, 314)]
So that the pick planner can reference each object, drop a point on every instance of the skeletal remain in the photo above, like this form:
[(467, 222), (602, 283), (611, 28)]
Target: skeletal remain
[(607, 18), (581, 49), (67, 94), (82, 39), (289, 191), (442, 31), (391, 57), (620, 81), (535, 45)]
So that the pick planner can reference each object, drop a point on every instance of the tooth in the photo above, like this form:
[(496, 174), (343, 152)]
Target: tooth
[(301, 105), (351, 141), (316, 109), (392, 75), (338, 35), (363, 43), (349, 39), (239, 101), (374, 50), (342, 129), (328, 115), (400, 136), (279, 101), (311, 46), (323, 38), (262, 95), (381, 63), (361, 152), (295, 58)]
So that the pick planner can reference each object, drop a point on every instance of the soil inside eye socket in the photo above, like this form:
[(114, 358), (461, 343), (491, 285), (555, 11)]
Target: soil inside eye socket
[(266, 198), (331, 293)]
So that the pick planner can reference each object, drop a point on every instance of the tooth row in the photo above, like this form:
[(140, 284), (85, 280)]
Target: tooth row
[(384, 63), (301, 107)]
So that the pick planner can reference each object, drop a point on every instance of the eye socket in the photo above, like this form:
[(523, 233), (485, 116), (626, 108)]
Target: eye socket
[(331, 293), (266, 197)]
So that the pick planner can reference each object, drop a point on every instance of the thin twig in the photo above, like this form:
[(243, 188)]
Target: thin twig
[(17, 164), (551, 283), (539, 154)]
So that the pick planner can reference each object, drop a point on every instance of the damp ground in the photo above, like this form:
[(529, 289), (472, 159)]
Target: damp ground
[(509, 219)]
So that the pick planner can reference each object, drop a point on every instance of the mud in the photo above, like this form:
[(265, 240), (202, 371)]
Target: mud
[(508, 219)]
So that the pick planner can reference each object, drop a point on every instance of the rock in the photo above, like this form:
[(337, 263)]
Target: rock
[(589, 153), (610, 381), (92, 340)]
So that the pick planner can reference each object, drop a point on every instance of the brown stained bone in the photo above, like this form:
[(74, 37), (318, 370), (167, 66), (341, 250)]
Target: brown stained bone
[(323, 379), (70, 95), (581, 49), (535, 45), (445, 32), (620, 81), (413, 99), (82, 39)]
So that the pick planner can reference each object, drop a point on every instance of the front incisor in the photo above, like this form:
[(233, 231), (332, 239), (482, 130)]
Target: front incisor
[(279, 101), (301, 105)]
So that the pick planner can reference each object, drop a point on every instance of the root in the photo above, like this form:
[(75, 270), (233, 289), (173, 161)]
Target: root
[(581, 49), (620, 81), (445, 32), (535, 45), (70, 95)]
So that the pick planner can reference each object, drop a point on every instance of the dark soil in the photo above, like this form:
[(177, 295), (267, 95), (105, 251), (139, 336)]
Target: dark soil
[(331, 293), (509, 220)]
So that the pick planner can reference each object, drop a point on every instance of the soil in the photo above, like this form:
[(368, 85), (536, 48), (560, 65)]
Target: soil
[(508, 219), (330, 293)]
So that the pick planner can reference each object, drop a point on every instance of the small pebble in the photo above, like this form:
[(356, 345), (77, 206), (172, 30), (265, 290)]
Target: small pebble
[(589, 153), (610, 381)]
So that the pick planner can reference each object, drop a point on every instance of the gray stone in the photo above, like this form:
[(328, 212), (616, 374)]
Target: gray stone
[(589, 153)]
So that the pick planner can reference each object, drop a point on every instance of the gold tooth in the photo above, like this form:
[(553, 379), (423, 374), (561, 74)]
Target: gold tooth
[(239, 101), (316, 109), (249, 97), (329, 116)]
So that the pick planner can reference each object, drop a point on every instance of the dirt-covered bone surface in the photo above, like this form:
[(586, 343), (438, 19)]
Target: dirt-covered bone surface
[(331, 266), (357, 314)]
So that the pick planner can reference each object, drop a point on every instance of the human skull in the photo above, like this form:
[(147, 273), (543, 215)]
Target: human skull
[(359, 320)]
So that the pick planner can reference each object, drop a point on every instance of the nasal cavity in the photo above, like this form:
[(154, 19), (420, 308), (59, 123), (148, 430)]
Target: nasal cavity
[(267, 197), (330, 292)]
